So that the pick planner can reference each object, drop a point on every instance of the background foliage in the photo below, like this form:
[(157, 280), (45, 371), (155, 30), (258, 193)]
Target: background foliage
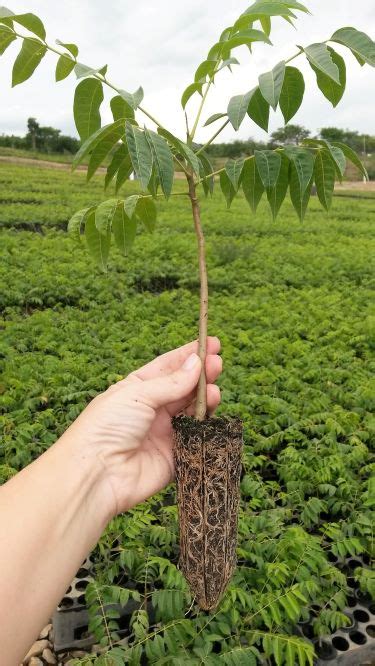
[(292, 304)]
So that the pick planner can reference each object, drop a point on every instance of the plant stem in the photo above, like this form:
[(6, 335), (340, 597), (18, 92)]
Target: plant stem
[(201, 402), (212, 138), (210, 82)]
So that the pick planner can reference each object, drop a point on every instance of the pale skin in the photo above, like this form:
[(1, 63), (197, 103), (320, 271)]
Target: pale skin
[(115, 455)]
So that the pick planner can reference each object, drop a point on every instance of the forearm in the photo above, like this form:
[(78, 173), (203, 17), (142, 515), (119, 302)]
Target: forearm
[(51, 515)]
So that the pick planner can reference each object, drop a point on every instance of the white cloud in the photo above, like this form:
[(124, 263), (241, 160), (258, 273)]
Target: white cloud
[(159, 45)]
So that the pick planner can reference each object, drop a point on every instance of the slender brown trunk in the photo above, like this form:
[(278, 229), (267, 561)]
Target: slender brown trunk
[(201, 403)]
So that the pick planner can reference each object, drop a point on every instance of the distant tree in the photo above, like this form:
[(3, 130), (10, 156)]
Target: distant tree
[(361, 143), (32, 133), (332, 134), (290, 134), (235, 149), (48, 139)]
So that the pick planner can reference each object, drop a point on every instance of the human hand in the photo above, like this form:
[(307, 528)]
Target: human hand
[(128, 427)]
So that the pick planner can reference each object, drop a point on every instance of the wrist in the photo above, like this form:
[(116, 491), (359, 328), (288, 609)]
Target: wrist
[(86, 473)]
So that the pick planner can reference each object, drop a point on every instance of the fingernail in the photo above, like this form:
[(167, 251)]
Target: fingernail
[(190, 362)]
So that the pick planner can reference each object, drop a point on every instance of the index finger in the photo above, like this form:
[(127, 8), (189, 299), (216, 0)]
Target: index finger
[(172, 360)]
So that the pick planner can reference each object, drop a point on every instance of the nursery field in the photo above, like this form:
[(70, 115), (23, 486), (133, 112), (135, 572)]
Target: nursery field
[(293, 305)]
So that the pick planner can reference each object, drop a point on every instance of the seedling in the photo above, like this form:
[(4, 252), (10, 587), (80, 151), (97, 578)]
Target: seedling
[(207, 451)]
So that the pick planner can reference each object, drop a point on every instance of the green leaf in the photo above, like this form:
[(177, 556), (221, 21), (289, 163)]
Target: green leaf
[(64, 66), (214, 118), (335, 152), (191, 158), (154, 183), (227, 188), (72, 48), (133, 99), (97, 243), (146, 210), (276, 194), (331, 90), (123, 173), (120, 154), (244, 38), (319, 58), (28, 59), (6, 38), (88, 97), (360, 44), (233, 169), (163, 160), (278, 8), (77, 221), (124, 229), (237, 108), (292, 92), (206, 68), (227, 63), (104, 215), (339, 160), (207, 168), (271, 83), (352, 157), (92, 140), (120, 108), (140, 153), (6, 13), (259, 109), (303, 161), (324, 175), (299, 199), (265, 22), (252, 183), (189, 92), (130, 205), (31, 23), (268, 163), (106, 142), (81, 70)]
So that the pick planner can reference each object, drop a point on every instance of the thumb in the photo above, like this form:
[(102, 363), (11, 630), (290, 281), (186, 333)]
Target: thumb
[(169, 388)]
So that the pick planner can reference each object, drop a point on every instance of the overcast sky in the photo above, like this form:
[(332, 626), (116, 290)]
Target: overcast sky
[(158, 44)]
